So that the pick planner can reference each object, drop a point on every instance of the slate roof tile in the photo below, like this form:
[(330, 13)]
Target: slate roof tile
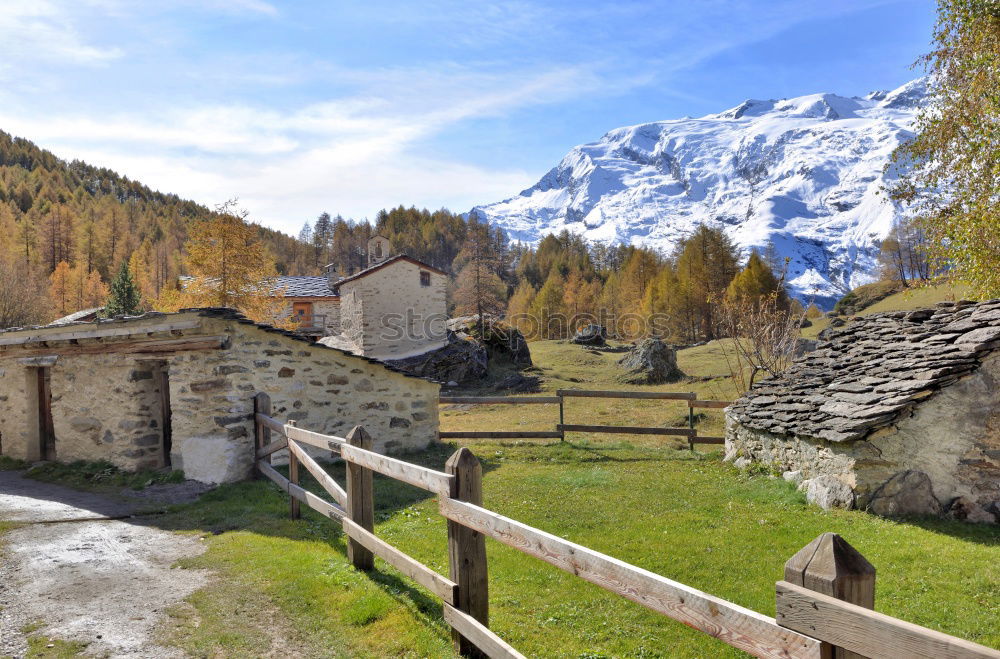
[(872, 371)]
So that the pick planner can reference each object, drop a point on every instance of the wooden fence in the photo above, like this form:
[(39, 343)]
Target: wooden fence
[(823, 605), (690, 433)]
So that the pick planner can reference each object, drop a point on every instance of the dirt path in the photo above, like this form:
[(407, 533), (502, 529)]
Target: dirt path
[(85, 576)]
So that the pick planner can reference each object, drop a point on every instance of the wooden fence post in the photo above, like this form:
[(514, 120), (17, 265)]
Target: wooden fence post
[(691, 425), (467, 548), (562, 421), (360, 500), (262, 434), (829, 565), (293, 477)]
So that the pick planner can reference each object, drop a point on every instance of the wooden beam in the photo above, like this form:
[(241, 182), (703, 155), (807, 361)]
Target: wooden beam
[(324, 508), (269, 423), (273, 447), (422, 477), (711, 404), (628, 430), (741, 628), (866, 632), (500, 434), (261, 433), (270, 472), (444, 588), (141, 347), (478, 634), (498, 400), (94, 331), (293, 479), (652, 395), (700, 439), (319, 440), (325, 480)]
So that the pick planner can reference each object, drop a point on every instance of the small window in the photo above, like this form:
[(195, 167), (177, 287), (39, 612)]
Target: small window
[(425, 278)]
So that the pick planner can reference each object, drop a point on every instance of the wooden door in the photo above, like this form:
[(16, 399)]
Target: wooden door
[(303, 312), (46, 429), (163, 382)]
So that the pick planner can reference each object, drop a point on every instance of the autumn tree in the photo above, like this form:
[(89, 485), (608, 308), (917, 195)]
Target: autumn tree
[(547, 308), (60, 287), (23, 296), (755, 282), (478, 289), (950, 172), (231, 267)]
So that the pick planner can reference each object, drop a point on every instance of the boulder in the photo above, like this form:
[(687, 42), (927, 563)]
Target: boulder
[(828, 492), (519, 383), (591, 335), (502, 341), (963, 508), (906, 493), (461, 359), (651, 361)]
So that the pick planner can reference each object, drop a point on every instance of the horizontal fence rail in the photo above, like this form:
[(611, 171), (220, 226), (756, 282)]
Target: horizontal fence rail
[(691, 433), (810, 622)]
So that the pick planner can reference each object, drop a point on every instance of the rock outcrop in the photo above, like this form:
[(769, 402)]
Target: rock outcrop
[(502, 341), (591, 335), (651, 361), (460, 360)]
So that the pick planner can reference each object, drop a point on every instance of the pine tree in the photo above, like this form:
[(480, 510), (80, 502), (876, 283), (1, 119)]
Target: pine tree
[(60, 287), (547, 308), (124, 299), (479, 289)]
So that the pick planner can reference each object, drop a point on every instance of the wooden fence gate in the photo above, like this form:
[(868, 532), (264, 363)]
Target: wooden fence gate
[(823, 605)]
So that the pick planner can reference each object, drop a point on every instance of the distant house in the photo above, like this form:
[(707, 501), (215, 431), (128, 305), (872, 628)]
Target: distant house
[(896, 413), (394, 308)]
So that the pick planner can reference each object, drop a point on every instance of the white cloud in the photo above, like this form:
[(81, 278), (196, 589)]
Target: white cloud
[(351, 155), (42, 29)]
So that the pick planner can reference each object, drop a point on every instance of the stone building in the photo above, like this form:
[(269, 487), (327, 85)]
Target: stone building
[(394, 308), (897, 413), (176, 390)]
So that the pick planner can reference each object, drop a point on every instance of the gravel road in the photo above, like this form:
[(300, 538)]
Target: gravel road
[(83, 575)]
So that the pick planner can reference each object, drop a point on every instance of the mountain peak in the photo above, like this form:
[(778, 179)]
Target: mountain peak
[(803, 173)]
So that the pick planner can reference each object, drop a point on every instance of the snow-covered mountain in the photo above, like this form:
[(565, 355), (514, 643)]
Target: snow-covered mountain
[(804, 173)]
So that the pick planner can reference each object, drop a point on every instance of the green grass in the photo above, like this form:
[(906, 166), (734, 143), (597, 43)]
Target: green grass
[(42, 647), (688, 517), (99, 475), (12, 464)]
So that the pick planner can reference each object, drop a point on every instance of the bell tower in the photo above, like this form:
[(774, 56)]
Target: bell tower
[(378, 250)]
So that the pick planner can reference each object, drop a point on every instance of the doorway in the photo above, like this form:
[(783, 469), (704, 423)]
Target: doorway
[(161, 375), (46, 428)]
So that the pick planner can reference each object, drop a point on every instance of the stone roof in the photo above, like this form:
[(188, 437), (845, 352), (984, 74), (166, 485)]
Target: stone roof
[(77, 316), (389, 261), (303, 286), (872, 371)]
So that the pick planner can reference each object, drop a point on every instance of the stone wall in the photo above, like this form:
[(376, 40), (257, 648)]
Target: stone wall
[(106, 406), (946, 453), (388, 314)]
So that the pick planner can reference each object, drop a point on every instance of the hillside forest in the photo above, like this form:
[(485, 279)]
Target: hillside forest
[(66, 228)]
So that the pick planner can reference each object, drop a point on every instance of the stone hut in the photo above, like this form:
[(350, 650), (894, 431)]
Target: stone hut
[(176, 390), (897, 413)]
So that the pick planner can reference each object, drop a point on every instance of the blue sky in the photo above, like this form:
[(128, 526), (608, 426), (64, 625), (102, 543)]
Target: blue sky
[(306, 106)]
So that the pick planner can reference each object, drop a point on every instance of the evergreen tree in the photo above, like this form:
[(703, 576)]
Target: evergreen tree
[(124, 299)]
